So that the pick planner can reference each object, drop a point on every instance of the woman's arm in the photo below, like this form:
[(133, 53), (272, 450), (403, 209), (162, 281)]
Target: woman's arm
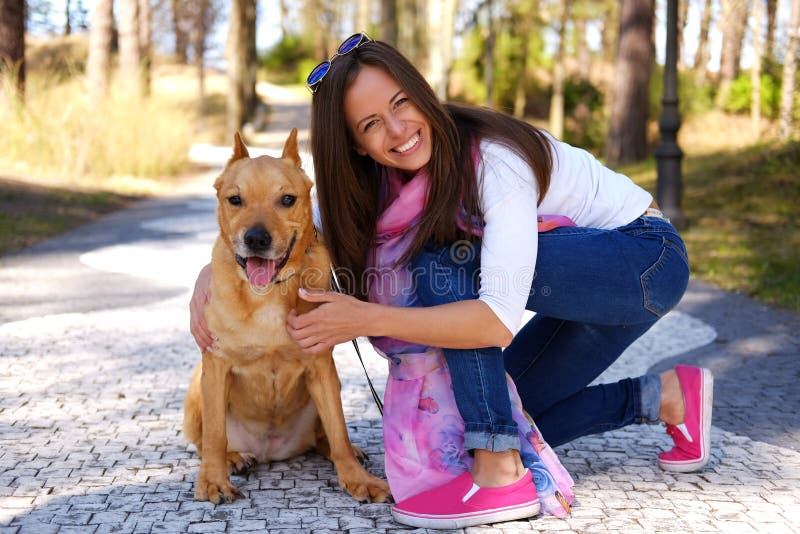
[(197, 306), (340, 318)]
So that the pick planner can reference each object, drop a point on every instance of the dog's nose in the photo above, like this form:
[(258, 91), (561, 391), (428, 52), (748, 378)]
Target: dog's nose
[(257, 239)]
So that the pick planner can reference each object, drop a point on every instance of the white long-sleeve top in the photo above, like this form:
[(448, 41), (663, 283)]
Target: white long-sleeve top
[(582, 188)]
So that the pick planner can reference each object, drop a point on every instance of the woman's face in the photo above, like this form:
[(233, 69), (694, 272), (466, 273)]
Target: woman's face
[(385, 124)]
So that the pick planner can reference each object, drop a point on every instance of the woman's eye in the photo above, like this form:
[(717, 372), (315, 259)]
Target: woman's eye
[(370, 124), (235, 200), (288, 200), (400, 101)]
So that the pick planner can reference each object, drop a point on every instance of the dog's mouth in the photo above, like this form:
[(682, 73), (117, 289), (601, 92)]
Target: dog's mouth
[(263, 271)]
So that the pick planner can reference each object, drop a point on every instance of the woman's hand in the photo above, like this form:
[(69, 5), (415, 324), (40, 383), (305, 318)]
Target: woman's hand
[(200, 297), (338, 319)]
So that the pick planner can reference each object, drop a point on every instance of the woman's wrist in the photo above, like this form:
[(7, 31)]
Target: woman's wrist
[(373, 317)]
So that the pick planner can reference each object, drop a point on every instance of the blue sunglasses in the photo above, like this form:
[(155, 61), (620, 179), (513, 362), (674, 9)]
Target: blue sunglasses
[(347, 46)]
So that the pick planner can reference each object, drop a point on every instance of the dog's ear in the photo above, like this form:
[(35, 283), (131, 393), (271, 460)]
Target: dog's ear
[(239, 150), (290, 148)]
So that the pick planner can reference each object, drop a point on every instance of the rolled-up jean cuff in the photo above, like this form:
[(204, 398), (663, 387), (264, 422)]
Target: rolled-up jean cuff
[(650, 398), (502, 439)]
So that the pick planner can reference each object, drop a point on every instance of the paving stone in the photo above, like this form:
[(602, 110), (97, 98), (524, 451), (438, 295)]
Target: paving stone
[(215, 526), (39, 528)]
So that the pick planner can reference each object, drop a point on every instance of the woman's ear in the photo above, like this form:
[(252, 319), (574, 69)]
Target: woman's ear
[(360, 151)]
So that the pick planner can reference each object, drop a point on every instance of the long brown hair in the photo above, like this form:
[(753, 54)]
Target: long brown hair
[(348, 184)]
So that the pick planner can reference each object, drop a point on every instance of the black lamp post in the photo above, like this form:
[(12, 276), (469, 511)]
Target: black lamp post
[(668, 154)]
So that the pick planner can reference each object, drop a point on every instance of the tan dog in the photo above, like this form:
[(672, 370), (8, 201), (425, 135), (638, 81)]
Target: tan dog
[(256, 396)]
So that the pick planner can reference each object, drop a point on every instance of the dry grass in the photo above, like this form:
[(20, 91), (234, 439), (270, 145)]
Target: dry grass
[(124, 143), (66, 159)]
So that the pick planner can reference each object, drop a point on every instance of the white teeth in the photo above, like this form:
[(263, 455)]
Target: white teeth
[(411, 142)]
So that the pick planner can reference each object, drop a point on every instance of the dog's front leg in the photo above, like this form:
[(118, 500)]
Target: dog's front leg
[(323, 384), (213, 483)]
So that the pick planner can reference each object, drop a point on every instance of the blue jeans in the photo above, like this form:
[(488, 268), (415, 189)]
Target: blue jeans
[(594, 293)]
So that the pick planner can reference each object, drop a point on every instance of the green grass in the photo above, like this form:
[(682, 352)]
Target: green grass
[(30, 213), (742, 206)]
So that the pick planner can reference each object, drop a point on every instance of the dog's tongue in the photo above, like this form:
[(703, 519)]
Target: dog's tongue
[(260, 271)]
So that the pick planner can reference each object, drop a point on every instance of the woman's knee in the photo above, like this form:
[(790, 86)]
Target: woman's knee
[(443, 274)]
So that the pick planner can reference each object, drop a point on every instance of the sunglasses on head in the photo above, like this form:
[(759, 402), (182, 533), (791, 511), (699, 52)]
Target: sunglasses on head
[(347, 46)]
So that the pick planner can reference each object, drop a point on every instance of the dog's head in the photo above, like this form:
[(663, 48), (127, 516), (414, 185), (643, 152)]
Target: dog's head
[(264, 212)]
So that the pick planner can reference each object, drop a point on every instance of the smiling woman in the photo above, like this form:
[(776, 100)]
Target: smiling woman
[(407, 184)]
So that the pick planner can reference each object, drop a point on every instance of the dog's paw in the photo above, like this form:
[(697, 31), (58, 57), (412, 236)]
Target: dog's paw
[(367, 488), (216, 491), (240, 463)]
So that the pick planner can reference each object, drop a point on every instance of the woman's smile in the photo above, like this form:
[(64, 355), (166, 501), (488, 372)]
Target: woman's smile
[(409, 146)]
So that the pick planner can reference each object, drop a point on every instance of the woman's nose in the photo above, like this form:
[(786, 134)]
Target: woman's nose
[(396, 126)]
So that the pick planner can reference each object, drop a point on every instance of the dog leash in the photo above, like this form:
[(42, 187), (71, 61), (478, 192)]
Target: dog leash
[(375, 396)]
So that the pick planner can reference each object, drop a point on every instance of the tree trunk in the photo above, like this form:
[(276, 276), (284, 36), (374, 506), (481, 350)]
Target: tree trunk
[(789, 74), (683, 16), (421, 37), (627, 136), (67, 18), (361, 22), (488, 55), (250, 95), (130, 58), (145, 45), (389, 21), (241, 64), (702, 56), (755, 72), (557, 99), (610, 31), (584, 56), (522, 23), (12, 44), (181, 34), (284, 8), (734, 22), (406, 13), (200, 27), (101, 33), (441, 23), (320, 18), (769, 44)]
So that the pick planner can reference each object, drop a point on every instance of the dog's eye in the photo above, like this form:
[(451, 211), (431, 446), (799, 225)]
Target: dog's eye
[(288, 200), (235, 200)]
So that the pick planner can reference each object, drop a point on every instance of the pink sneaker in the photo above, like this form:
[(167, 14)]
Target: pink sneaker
[(462, 503), (692, 437)]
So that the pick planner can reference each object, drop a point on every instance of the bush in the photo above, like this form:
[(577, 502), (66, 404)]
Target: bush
[(286, 62), (61, 57), (693, 98), (577, 91), (586, 125), (304, 68), (466, 78), (740, 96)]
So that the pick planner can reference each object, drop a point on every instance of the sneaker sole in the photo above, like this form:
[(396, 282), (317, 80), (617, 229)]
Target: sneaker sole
[(687, 466), (456, 521)]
